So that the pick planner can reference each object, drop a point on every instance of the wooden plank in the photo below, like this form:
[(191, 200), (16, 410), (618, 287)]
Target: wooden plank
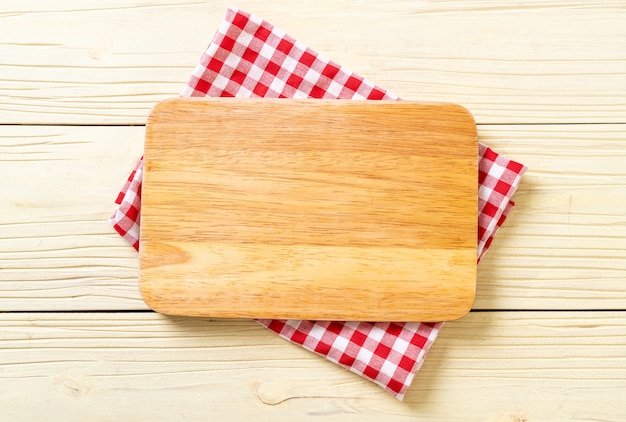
[(306, 203), (559, 366), (562, 246), (57, 250), (531, 62)]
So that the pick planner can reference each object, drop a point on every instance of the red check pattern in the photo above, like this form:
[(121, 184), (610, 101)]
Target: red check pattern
[(249, 57), (389, 354), (126, 218), (498, 178)]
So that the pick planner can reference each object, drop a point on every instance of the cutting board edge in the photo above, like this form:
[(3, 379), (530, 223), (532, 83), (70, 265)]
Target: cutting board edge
[(165, 104), (166, 308)]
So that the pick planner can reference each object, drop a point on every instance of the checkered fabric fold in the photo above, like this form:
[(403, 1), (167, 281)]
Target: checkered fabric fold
[(249, 57)]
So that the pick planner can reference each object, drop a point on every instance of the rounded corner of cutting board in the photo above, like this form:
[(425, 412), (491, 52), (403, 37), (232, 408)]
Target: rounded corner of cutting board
[(467, 304), (160, 107), (465, 112), (153, 293), (148, 294)]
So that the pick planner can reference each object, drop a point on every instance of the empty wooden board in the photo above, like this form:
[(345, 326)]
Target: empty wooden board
[(309, 209)]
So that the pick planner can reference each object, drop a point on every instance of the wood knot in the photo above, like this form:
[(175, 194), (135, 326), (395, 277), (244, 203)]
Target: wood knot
[(270, 393), (70, 386)]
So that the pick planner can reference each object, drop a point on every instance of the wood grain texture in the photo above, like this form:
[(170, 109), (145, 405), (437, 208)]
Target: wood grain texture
[(57, 250), (566, 237), (562, 247), (535, 61), (286, 208), (506, 367)]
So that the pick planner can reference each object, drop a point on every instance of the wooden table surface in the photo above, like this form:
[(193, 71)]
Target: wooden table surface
[(546, 341)]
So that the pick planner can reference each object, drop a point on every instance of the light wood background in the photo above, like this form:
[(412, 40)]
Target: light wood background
[(546, 81)]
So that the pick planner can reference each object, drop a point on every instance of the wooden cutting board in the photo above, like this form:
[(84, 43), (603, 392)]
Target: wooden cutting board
[(309, 209)]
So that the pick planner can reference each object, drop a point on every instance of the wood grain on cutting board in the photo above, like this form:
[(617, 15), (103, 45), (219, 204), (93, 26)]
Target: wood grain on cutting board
[(309, 209)]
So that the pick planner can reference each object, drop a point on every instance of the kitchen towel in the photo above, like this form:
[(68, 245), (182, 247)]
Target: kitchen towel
[(249, 57)]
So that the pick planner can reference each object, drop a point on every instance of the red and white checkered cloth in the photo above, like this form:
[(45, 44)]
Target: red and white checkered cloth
[(249, 57)]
